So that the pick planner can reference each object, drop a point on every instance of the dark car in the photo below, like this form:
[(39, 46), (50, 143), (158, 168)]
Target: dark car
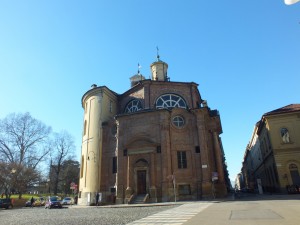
[(53, 202), (6, 203)]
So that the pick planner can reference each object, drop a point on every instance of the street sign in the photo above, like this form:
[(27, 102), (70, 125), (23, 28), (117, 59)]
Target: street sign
[(214, 176), (73, 186)]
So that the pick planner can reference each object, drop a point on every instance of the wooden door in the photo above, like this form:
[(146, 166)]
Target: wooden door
[(141, 182)]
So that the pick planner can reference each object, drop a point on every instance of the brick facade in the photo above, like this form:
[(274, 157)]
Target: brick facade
[(161, 153)]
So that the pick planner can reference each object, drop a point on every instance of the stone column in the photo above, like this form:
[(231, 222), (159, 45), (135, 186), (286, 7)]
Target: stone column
[(205, 165), (166, 156), (218, 157), (120, 180), (220, 185), (152, 190), (204, 154), (129, 189)]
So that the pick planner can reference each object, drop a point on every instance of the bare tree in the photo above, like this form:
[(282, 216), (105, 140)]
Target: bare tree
[(22, 148), (70, 174), (62, 150), (5, 178)]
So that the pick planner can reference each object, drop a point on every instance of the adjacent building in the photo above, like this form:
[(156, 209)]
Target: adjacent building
[(272, 156), (158, 141)]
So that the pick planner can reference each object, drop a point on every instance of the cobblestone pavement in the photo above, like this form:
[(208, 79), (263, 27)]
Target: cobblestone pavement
[(77, 215)]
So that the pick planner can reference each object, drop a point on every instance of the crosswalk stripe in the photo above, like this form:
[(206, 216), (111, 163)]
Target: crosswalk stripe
[(175, 216)]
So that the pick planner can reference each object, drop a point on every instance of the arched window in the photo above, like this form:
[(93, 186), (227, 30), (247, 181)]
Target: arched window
[(82, 166), (133, 106), (284, 132), (170, 101)]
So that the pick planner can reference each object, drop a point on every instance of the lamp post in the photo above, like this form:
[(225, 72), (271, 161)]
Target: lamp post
[(11, 181), (174, 186), (48, 182)]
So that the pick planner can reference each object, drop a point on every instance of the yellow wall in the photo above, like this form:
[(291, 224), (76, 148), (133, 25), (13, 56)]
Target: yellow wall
[(99, 106), (285, 153)]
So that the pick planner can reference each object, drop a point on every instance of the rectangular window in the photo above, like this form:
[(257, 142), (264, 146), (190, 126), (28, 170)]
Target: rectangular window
[(184, 189), (114, 166), (158, 149), (82, 166), (181, 159), (110, 106)]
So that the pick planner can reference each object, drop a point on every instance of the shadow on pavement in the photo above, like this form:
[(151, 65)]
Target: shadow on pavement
[(266, 196)]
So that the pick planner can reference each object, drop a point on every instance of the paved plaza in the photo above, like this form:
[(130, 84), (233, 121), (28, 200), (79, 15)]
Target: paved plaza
[(244, 209), (253, 209)]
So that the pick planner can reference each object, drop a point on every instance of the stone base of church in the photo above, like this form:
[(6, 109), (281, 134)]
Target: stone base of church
[(214, 190), (87, 198)]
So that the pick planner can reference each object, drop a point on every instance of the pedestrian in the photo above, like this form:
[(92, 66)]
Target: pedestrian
[(97, 198), (32, 201), (75, 200), (2, 195)]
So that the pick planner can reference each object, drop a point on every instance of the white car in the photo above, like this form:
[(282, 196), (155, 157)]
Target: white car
[(67, 201)]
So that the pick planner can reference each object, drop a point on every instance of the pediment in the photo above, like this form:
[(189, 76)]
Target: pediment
[(141, 143), (140, 146)]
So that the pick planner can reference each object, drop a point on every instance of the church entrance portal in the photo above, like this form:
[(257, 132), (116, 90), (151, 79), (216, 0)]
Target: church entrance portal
[(141, 182)]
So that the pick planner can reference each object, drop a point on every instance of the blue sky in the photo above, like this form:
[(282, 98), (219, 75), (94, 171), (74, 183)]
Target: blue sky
[(243, 54)]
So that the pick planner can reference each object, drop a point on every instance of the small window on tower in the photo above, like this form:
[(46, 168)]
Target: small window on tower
[(110, 106), (84, 128)]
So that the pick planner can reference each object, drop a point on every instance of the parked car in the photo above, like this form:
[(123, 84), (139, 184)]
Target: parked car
[(53, 202), (67, 201), (6, 203), (40, 201)]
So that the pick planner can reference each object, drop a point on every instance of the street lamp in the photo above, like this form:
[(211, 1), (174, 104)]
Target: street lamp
[(290, 2), (48, 182)]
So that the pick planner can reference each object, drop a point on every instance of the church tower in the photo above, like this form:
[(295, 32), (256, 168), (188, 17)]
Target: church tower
[(159, 70), (137, 77), (99, 105)]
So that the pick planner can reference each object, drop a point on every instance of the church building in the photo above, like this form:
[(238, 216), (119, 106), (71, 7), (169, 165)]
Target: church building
[(157, 142)]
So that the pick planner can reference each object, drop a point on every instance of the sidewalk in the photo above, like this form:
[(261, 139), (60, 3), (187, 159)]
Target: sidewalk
[(251, 209), (230, 197)]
